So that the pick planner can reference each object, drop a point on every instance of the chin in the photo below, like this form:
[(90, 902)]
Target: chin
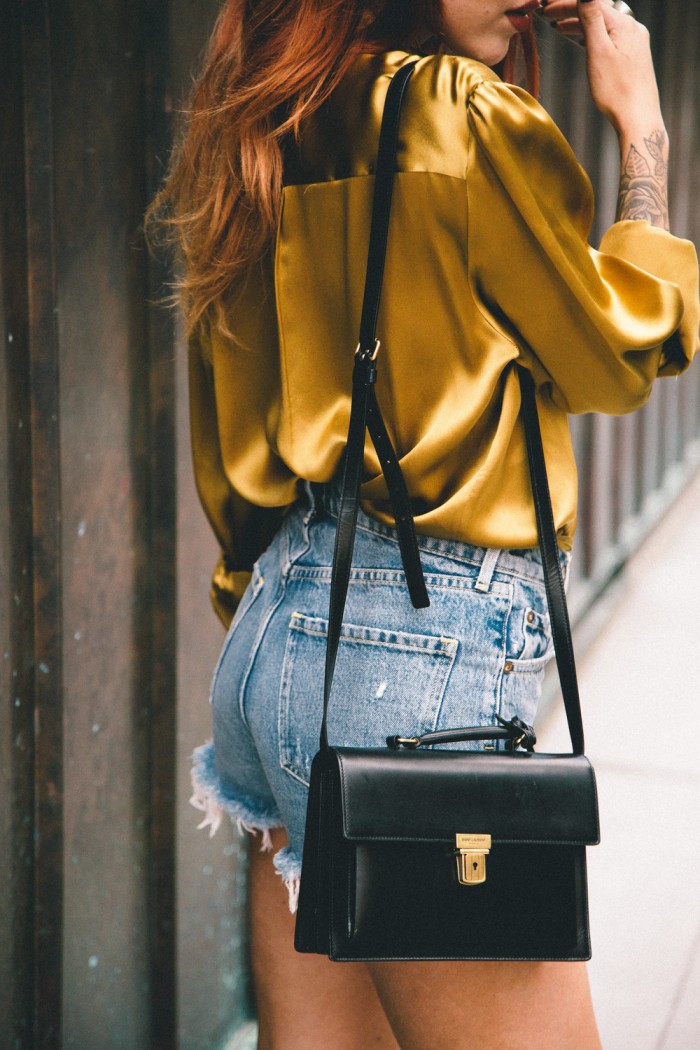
[(490, 55), (495, 54)]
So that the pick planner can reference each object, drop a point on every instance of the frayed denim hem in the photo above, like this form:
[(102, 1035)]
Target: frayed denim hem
[(210, 798), (288, 867)]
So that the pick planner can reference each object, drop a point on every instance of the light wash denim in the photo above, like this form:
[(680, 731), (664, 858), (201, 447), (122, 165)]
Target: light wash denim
[(479, 650)]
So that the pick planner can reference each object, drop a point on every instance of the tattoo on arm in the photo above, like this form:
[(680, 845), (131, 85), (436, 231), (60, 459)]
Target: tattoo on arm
[(644, 182)]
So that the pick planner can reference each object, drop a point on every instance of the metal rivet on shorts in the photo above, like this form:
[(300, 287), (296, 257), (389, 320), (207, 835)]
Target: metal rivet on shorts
[(508, 667), (530, 616)]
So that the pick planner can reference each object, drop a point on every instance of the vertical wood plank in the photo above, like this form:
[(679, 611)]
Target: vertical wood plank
[(162, 555), (213, 992), (110, 588), (16, 590), (602, 482), (46, 501)]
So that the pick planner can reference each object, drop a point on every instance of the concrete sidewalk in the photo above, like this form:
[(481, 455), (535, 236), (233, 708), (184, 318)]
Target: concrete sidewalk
[(641, 705)]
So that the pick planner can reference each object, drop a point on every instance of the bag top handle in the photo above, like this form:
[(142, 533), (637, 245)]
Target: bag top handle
[(365, 414)]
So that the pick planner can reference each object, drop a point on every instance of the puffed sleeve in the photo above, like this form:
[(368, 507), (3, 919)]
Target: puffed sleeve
[(597, 326), (242, 529)]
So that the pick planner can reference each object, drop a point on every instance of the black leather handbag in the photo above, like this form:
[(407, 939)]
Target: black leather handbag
[(416, 853)]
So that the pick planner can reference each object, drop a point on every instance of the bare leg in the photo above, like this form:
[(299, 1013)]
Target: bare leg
[(305, 1002), (492, 1006)]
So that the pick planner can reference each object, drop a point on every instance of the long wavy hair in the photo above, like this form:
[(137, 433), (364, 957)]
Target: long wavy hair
[(269, 65)]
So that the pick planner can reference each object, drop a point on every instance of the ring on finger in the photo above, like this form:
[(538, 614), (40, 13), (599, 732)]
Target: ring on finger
[(623, 8)]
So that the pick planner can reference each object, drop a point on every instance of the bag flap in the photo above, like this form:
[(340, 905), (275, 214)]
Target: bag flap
[(429, 796)]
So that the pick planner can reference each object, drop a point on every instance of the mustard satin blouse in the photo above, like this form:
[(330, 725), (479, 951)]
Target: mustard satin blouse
[(487, 264)]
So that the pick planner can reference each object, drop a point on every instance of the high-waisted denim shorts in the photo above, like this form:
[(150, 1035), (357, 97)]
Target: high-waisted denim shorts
[(479, 650)]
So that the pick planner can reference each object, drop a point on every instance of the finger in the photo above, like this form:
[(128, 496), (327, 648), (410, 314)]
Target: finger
[(570, 27), (594, 16), (560, 9)]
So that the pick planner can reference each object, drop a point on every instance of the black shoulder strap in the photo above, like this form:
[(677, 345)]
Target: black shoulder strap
[(365, 414), (553, 581)]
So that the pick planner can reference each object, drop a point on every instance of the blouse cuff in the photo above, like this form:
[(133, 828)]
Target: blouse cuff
[(671, 259)]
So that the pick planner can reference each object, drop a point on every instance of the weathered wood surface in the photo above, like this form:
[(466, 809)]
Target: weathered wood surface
[(89, 949)]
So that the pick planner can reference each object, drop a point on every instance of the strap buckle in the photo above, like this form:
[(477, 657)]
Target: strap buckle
[(365, 353)]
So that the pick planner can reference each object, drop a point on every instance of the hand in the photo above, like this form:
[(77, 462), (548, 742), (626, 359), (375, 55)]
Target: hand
[(618, 58), (623, 85)]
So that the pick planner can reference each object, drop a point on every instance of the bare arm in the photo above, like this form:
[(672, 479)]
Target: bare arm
[(624, 88), (644, 178)]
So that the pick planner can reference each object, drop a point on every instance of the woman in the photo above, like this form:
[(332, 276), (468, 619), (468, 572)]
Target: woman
[(487, 264)]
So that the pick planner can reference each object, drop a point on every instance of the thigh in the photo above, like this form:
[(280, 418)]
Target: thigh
[(305, 1001), (487, 1005)]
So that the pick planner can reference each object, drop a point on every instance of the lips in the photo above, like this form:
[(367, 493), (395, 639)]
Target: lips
[(521, 17)]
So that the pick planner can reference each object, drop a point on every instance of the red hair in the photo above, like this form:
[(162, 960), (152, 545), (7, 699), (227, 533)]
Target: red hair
[(270, 64), (523, 52)]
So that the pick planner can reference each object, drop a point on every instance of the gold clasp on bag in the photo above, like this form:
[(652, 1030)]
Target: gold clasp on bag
[(471, 858)]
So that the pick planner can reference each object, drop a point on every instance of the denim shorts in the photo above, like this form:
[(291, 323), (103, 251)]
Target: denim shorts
[(479, 650)]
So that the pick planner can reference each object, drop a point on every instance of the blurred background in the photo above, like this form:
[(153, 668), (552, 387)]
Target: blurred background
[(120, 925)]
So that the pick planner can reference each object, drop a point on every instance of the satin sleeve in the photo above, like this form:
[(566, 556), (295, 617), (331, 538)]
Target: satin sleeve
[(242, 529), (597, 326)]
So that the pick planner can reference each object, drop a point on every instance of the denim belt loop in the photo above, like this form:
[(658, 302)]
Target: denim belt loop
[(487, 569), (313, 497)]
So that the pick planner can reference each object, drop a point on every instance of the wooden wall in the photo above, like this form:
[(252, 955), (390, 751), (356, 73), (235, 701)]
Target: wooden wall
[(94, 530), (120, 925)]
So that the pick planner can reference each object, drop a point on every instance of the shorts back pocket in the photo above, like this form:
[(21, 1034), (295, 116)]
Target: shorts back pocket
[(385, 682)]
